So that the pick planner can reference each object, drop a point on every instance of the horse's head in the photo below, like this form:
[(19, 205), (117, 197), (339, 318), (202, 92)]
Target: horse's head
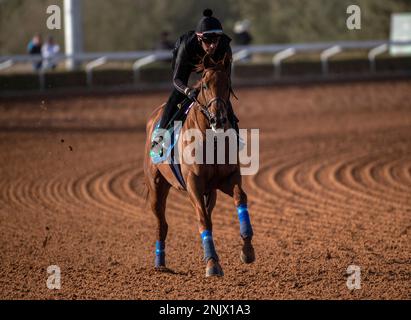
[(214, 92)]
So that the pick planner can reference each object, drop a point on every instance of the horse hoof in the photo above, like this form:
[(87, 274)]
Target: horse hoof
[(247, 254), (160, 268), (214, 270), (160, 262)]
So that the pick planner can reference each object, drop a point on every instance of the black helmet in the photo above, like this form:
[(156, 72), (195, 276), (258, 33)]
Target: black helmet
[(208, 25)]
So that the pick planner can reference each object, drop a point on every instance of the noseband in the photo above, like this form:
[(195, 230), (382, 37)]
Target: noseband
[(204, 108)]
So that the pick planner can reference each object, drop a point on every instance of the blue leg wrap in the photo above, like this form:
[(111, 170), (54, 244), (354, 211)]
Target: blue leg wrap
[(208, 245), (160, 254), (246, 231)]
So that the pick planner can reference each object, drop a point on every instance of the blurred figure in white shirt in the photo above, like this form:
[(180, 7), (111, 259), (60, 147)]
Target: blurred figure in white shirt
[(49, 50), (242, 35)]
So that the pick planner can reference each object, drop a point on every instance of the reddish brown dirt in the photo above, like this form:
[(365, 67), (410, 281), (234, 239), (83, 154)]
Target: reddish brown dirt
[(333, 189)]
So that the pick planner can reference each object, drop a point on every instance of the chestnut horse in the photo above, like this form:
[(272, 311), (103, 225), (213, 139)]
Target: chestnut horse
[(202, 180)]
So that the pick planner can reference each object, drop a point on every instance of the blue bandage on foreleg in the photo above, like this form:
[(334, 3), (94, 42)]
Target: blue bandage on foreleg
[(160, 254), (208, 245), (246, 231)]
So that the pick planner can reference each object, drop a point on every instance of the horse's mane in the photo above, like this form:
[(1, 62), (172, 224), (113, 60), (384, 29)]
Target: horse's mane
[(208, 63)]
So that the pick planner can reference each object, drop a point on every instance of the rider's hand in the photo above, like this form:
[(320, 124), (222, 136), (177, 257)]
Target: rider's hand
[(191, 94)]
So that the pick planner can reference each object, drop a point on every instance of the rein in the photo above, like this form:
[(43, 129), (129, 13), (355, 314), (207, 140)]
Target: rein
[(204, 108)]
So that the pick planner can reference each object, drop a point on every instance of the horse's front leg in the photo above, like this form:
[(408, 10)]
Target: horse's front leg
[(158, 192), (205, 227), (232, 187)]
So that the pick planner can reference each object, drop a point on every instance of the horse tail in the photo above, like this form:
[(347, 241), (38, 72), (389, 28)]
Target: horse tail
[(145, 192), (143, 189)]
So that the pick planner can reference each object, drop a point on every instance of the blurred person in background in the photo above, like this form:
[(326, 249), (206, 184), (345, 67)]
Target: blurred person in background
[(164, 43), (189, 50), (242, 36), (34, 48), (49, 51)]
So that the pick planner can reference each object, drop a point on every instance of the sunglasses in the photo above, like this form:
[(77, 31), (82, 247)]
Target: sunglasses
[(209, 39)]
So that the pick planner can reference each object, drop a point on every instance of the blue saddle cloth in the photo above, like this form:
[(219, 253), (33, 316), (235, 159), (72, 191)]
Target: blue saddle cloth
[(169, 150), (174, 133)]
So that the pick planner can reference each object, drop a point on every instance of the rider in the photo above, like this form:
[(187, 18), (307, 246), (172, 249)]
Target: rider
[(190, 48)]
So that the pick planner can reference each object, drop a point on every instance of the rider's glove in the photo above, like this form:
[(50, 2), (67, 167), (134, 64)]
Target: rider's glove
[(191, 94)]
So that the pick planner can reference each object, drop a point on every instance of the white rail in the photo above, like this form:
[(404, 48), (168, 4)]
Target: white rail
[(142, 62), (281, 56), (6, 64), (91, 66), (273, 48), (374, 53), (326, 55), (280, 52)]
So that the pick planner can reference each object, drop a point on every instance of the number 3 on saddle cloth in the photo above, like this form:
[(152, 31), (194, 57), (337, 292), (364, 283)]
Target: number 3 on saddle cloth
[(174, 129)]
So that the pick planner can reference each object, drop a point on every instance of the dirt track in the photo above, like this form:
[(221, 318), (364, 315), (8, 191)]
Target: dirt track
[(333, 189)]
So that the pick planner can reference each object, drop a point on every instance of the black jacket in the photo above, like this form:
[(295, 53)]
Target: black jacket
[(188, 53)]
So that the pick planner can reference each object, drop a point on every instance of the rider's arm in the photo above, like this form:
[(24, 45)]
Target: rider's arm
[(182, 71)]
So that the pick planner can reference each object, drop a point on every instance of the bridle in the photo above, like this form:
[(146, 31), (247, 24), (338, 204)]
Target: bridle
[(211, 116)]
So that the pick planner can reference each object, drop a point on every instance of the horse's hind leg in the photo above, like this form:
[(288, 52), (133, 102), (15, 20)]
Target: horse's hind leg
[(232, 187), (158, 193)]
